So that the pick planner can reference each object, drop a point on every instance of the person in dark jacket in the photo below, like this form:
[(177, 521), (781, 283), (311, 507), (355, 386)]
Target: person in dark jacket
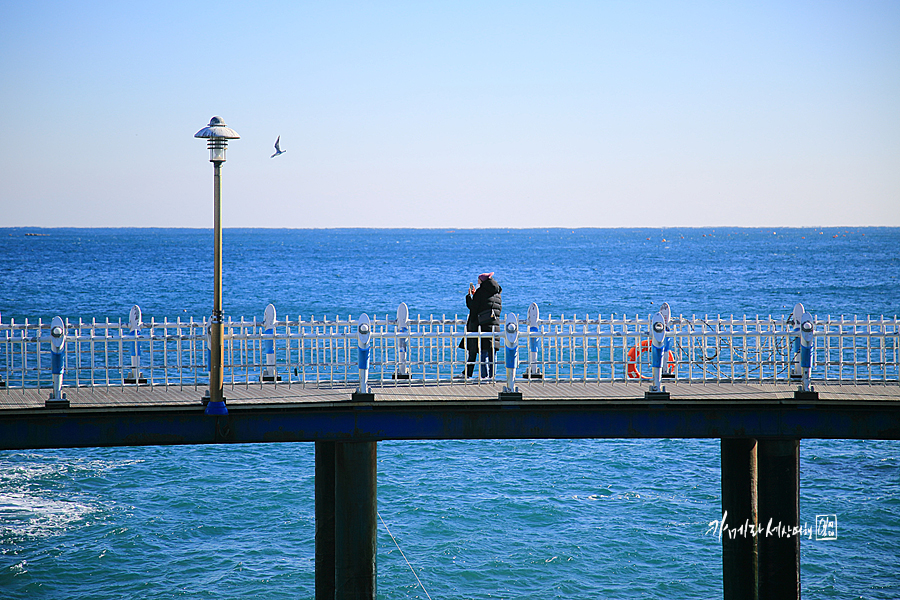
[(484, 305)]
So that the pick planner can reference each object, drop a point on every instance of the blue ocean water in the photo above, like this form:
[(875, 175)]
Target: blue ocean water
[(477, 519)]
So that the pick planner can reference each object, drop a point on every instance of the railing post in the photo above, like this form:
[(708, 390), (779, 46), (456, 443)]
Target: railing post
[(659, 346), (533, 371), (269, 318), (807, 345), (363, 340), (665, 371), (207, 337), (6, 338), (511, 339), (134, 326), (402, 332), (57, 363), (793, 359)]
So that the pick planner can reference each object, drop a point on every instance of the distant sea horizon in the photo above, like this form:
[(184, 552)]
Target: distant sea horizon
[(435, 228)]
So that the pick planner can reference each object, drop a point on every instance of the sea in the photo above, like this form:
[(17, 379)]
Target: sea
[(606, 518)]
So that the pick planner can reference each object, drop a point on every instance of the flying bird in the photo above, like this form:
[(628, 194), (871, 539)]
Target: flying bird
[(278, 149)]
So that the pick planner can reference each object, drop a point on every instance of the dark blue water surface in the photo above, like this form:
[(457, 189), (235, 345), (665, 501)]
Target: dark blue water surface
[(477, 519)]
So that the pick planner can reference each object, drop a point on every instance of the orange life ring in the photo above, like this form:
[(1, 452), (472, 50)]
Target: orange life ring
[(631, 367)]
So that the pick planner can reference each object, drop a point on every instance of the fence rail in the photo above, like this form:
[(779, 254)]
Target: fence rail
[(323, 353)]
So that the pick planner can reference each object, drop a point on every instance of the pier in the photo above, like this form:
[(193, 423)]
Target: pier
[(757, 384)]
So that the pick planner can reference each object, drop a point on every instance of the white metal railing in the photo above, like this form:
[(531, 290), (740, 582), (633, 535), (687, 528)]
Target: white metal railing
[(323, 353)]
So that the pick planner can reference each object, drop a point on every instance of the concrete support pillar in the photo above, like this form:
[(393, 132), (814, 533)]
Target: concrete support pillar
[(355, 520), (779, 513), (325, 520), (739, 504)]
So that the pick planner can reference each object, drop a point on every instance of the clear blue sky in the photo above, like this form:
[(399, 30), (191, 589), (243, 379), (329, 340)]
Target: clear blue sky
[(452, 114)]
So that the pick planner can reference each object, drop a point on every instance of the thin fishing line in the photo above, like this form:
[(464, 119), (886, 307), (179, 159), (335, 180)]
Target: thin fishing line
[(403, 555)]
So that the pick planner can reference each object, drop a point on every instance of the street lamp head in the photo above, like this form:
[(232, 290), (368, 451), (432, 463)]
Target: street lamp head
[(217, 133)]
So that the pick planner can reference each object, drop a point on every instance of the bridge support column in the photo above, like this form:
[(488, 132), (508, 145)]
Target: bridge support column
[(739, 504), (325, 520), (355, 520), (346, 520), (779, 515)]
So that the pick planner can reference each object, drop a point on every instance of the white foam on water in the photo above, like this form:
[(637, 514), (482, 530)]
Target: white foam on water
[(26, 515), (35, 490)]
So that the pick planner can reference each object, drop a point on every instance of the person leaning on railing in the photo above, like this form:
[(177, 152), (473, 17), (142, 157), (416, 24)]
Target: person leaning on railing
[(485, 305)]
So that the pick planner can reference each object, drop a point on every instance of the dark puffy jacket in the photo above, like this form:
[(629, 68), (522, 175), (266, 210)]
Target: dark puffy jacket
[(485, 305)]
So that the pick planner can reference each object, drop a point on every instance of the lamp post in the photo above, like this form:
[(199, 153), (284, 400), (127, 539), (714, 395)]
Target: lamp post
[(217, 133)]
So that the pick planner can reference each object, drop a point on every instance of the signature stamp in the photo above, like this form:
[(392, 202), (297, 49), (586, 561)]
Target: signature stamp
[(826, 527)]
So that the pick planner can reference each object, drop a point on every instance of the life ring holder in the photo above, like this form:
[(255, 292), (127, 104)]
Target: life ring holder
[(631, 366)]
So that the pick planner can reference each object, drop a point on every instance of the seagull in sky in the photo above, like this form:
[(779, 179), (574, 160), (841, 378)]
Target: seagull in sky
[(278, 149)]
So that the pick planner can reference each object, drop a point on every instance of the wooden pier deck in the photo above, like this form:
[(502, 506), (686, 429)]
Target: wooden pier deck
[(141, 415), (282, 395)]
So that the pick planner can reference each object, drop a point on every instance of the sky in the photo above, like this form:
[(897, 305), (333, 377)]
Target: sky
[(451, 114)]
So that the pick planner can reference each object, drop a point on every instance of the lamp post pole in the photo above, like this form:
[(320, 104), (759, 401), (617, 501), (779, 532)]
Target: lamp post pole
[(216, 366), (217, 133)]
